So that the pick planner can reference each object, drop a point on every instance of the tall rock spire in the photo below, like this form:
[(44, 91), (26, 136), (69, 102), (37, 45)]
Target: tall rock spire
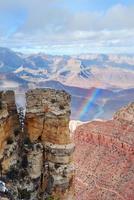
[(47, 124)]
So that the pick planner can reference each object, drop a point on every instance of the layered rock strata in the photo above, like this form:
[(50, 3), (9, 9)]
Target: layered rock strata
[(104, 158), (47, 125), (36, 159), (9, 124)]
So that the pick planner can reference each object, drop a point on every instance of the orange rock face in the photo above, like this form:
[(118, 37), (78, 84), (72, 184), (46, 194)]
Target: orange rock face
[(47, 122), (47, 116), (8, 124), (8, 116), (6, 130), (104, 158)]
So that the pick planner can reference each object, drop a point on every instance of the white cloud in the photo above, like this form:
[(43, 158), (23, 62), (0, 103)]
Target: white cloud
[(119, 17), (49, 23)]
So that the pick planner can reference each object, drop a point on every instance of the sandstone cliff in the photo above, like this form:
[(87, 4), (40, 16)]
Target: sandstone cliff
[(36, 161), (47, 126), (9, 125)]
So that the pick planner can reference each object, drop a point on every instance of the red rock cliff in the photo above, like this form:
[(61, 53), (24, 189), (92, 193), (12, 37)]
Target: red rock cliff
[(104, 158)]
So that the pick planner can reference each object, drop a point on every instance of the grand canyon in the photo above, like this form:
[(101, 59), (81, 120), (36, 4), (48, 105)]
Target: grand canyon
[(66, 127), (99, 84), (67, 100), (37, 154)]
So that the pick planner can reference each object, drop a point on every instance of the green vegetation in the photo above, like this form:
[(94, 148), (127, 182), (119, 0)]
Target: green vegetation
[(52, 198), (12, 174), (0, 105), (24, 162), (53, 100), (27, 142), (9, 140), (61, 107), (24, 194), (16, 132)]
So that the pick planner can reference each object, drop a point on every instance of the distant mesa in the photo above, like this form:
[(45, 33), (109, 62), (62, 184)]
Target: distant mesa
[(86, 71), (79, 76)]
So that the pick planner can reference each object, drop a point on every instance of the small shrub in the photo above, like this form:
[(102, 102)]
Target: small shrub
[(0, 104), (52, 198), (27, 142), (53, 100), (24, 162), (23, 173), (57, 165), (12, 174), (49, 198), (39, 138), (24, 194), (16, 132), (9, 140), (61, 107)]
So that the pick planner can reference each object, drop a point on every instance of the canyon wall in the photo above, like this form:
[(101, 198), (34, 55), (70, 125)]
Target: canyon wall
[(8, 115), (117, 132), (36, 161), (87, 135), (104, 158), (9, 124)]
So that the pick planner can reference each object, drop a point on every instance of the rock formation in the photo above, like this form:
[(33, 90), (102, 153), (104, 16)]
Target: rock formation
[(36, 155), (104, 158), (47, 126), (9, 125), (125, 114), (37, 162)]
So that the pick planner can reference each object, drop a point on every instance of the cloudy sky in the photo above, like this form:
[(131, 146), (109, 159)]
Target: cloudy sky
[(67, 26)]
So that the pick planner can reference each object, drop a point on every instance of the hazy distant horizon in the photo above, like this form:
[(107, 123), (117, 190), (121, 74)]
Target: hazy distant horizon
[(48, 51)]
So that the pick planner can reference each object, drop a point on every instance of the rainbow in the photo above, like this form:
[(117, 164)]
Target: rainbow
[(88, 102)]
